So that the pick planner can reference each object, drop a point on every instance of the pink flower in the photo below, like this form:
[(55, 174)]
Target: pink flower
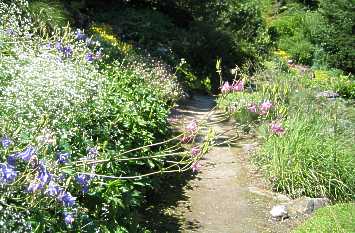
[(195, 151), (238, 85), (252, 108), (277, 128), (192, 126), (186, 139), (226, 88), (196, 167), (265, 107)]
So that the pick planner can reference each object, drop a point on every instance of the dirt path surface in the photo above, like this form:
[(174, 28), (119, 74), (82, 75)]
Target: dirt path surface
[(227, 195)]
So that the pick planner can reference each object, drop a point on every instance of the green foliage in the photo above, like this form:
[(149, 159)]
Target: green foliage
[(332, 219), (339, 45), (49, 15), (317, 34), (334, 80)]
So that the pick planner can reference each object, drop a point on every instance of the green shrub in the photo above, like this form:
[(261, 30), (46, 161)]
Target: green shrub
[(332, 219), (237, 35)]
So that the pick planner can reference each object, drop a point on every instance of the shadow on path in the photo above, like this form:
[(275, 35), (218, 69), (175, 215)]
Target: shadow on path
[(160, 216)]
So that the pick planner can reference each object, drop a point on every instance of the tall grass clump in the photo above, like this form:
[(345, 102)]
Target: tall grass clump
[(49, 15), (315, 154)]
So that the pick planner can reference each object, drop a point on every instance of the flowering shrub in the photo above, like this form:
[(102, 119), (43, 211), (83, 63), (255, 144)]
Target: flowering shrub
[(332, 80), (69, 125)]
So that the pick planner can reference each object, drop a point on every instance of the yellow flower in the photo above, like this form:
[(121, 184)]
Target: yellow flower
[(107, 35), (282, 54)]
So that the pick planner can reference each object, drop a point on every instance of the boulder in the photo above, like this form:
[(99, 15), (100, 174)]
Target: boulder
[(306, 205)]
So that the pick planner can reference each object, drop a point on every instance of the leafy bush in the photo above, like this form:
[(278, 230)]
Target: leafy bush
[(236, 35)]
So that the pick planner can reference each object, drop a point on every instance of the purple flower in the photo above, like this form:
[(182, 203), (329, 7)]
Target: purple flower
[(90, 57), (11, 160), (59, 46), (252, 108), (265, 107), (49, 45), (6, 142), (196, 167), (68, 218), (27, 154), (7, 173), (67, 199), (277, 128), (34, 186), (83, 180), (92, 152), (226, 88), (43, 175), (79, 35), (63, 157), (10, 32), (192, 126), (238, 85), (67, 51), (195, 151), (53, 189)]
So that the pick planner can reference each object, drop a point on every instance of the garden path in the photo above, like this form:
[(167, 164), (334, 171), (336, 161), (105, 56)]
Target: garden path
[(227, 195)]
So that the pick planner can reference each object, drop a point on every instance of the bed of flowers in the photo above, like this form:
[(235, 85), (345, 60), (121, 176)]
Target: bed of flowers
[(81, 137), (306, 139)]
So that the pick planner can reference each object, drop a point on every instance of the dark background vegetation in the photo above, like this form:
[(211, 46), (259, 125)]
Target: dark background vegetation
[(239, 33)]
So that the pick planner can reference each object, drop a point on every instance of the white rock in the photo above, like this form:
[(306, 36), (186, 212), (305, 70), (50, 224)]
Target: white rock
[(279, 211)]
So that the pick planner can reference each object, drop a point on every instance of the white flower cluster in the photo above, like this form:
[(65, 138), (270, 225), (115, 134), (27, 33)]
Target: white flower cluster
[(38, 84), (156, 74)]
